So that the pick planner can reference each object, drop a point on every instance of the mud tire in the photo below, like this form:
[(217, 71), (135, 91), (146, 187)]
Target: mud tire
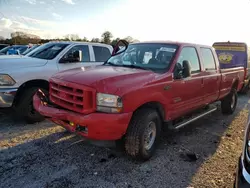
[(134, 138), (24, 108), (229, 103)]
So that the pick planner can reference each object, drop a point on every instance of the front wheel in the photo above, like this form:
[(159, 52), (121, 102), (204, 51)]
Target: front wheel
[(143, 134), (229, 103), (25, 109)]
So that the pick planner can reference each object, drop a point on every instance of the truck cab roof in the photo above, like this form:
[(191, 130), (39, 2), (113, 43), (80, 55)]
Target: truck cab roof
[(173, 42), (76, 42)]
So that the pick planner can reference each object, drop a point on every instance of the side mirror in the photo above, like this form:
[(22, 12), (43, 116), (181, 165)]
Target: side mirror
[(72, 57), (120, 47), (178, 71), (186, 69)]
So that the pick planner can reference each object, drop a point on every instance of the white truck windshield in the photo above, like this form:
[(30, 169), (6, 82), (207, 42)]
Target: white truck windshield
[(47, 51)]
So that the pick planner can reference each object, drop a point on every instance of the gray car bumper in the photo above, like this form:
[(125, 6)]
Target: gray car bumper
[(7, 97)]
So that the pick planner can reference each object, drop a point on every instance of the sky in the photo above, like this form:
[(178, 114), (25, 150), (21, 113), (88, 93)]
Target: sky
[(196, 21)]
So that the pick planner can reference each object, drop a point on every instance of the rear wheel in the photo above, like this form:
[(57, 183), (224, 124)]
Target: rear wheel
[(229, 103), (245, 89), (143, 134), (25, 109)]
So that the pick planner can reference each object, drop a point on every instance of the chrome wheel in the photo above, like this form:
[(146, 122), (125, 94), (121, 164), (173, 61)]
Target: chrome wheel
[(233, 101), (149, 135)]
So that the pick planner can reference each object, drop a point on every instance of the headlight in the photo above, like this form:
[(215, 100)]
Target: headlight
[(6, 80), (108, 103)]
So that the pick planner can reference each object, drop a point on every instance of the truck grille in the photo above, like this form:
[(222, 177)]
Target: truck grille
[(72, 96)]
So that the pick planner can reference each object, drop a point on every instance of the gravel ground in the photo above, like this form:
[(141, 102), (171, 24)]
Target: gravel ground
[(44, 155)]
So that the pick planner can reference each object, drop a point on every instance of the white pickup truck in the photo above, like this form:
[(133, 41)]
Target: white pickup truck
[(21, 76)]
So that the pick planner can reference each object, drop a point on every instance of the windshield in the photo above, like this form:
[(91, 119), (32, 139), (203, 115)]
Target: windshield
[(4, 50), (48, 51), (2, 46), (29, 50), (21, 49), (14, 48), (156, 57)]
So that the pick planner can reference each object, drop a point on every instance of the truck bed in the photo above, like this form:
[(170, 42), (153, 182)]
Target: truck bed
[(229, 77)]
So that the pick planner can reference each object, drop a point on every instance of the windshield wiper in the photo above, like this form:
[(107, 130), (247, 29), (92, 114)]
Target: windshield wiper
[(124, 65), (136, 67), (112, 64)]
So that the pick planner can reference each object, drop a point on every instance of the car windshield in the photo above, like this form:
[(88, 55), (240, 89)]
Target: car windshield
[(29, 50), (48, 51), (156, 57), (4, 50), (2, 46), (21, 49)]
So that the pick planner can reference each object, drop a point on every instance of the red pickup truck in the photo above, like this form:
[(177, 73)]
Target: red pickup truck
[(139, 90)]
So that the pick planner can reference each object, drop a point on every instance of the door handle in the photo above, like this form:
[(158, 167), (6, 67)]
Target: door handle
[(202, 82)]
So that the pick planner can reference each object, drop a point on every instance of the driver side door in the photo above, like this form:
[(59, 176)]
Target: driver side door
[(187, 93), (63, 64)]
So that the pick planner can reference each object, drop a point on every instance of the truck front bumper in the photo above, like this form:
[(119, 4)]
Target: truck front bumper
[(96, 126), (7, 97)]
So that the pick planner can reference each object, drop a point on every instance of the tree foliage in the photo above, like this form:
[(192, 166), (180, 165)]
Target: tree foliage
[(26, 38), (106, 37), (72, 37)]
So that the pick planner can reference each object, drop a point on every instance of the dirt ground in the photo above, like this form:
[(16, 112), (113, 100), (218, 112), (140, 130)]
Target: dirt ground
[(44, 155)]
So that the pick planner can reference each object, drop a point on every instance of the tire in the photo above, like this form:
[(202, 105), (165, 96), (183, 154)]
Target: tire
[(141, 121), (25, 109), (245, 89), (229, 103)]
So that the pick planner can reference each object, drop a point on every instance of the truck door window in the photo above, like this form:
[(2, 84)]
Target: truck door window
[(83, 48), (208, 59), (190, 54), (101, 53)]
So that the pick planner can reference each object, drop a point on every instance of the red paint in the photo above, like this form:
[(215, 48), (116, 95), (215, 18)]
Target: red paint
[(136, 87), (100, 126)]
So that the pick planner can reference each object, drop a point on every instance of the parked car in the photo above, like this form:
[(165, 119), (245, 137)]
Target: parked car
[(14, 50), (131, 96), (17, 49), (4, 50), (20, 76), (235, 54), (28, 50), (3, 46), (242, 177)]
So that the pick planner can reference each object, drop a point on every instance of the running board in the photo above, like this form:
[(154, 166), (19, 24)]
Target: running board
[(194, 118)]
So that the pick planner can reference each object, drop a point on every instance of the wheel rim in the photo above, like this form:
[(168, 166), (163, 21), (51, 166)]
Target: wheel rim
[(149, 135), (233, 101)]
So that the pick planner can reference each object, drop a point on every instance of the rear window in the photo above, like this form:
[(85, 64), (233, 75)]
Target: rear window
[(102, 54), (208, 59)]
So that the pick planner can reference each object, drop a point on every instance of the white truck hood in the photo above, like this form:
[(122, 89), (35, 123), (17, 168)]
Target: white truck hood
[(9, 62)]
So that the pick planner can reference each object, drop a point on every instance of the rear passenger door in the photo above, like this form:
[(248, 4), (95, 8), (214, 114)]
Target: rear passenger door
[(86, 59), (100, 54), (211, 75), (187, 93)]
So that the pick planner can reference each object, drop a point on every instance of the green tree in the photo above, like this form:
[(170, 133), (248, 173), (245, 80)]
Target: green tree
[(106, 37), (95, 40), (114, 42), (72, 37), (130, 39), (24, 38)]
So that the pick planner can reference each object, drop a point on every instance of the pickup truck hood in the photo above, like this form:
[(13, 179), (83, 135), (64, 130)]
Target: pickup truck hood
[(9, 62), (108, 79)]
